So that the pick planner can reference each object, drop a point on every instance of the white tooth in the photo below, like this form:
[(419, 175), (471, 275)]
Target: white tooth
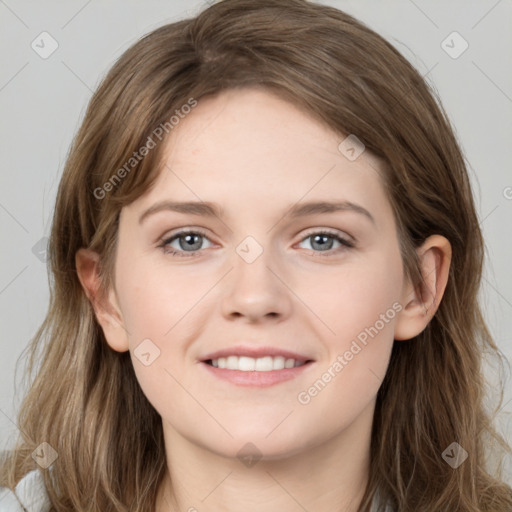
[(232, 362), (278, 363), (246, 364), (264, 364), (289, 363)]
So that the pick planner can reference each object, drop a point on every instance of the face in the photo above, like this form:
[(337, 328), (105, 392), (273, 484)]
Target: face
[(263, 276)]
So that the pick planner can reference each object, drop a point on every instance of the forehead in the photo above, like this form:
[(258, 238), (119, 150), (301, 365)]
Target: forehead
[(251, 149)]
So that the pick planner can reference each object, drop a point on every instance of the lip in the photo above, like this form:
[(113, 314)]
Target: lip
[(255, 352), (254, 378)]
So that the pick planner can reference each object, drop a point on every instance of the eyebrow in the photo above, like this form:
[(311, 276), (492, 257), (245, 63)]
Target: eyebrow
[(208, 209)]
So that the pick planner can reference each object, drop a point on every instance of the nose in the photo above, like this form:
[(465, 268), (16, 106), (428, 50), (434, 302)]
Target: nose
[(256, 291)]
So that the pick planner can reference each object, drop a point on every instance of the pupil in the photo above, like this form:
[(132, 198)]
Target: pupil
[(190, 241), (317, 238)]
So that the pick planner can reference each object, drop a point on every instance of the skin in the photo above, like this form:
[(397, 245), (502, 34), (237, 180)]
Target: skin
[(256, 155)]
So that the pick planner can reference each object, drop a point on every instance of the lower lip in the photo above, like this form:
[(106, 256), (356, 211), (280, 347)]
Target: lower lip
[(257, 379)]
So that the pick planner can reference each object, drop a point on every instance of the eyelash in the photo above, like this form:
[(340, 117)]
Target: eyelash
[(163, 245)]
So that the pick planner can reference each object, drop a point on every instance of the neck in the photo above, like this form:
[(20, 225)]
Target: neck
[(329, 476)]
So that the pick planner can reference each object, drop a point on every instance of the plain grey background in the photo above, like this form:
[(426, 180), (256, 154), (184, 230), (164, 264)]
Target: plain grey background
[(42, 101)]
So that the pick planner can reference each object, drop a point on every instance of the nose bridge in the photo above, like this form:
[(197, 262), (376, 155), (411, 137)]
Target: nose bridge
[(255, 288), (253, 263)]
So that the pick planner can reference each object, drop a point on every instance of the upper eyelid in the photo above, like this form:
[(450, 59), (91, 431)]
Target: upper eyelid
[(328, 231), (185, 231), (310, 232)]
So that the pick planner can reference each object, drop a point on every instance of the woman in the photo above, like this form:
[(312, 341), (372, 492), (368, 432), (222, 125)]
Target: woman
[(257, 372)]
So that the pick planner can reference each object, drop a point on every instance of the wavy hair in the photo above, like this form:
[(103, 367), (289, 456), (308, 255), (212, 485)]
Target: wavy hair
[(84, 398)]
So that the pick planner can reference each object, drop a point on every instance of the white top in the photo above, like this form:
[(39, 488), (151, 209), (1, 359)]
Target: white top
[(30, 496)]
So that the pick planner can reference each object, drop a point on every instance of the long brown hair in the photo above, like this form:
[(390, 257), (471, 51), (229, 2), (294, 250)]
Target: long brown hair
[(84, 398)]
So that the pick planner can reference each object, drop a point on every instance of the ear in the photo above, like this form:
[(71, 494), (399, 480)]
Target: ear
[(106, 308), (421, 302)]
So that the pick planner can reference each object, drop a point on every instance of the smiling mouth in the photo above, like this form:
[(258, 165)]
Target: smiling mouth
[(251, 364)]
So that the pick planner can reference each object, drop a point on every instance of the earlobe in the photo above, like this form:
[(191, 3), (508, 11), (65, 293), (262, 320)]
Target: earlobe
[(106, 309), (421, 302)]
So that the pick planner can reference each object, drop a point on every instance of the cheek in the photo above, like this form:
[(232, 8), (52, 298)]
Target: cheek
[(361, 295), (154, 310), (154, 297), (366, 305), (157, 306), (358, 357)]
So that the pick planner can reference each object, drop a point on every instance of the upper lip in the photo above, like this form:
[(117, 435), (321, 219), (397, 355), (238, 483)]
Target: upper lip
[(255, 352)]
